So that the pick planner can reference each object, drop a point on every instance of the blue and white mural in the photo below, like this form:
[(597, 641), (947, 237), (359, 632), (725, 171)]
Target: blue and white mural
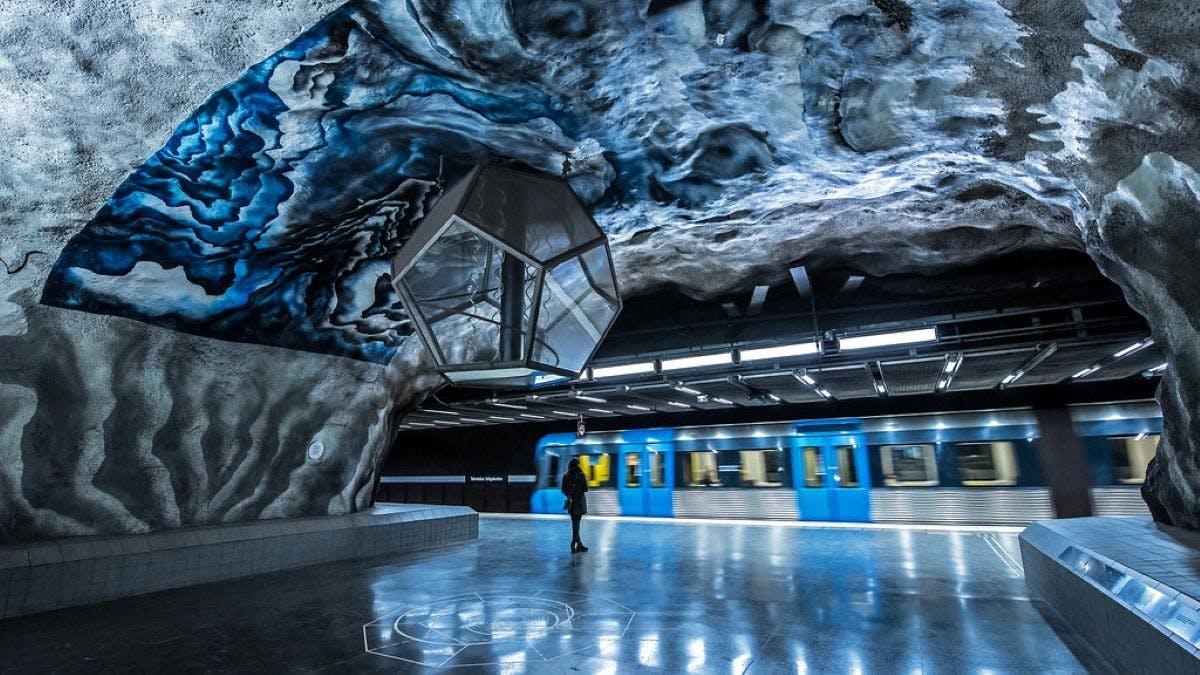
[(271, 214), (717, 142)]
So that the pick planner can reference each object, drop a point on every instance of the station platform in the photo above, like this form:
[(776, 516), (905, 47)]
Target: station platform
[(667, 596), (50, 575), (1127, 585)]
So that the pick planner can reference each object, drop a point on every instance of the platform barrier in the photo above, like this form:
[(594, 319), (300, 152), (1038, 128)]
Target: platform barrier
[(84, 570), (1125, 584)]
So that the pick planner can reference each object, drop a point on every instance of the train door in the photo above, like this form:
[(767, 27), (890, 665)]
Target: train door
[(646, 473), (834, 479)]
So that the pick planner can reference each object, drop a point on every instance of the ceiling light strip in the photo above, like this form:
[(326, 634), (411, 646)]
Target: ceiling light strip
[(1116, 356), (779, 352), (950, 368), (703, 361), (811, 382), (623, 370), (906, 337)]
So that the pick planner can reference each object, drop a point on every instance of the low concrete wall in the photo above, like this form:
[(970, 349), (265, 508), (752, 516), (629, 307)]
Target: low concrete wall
[(83, 570), (1124, 584)]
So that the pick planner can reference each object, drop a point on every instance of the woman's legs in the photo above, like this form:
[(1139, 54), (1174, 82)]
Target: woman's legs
[(575, 527)]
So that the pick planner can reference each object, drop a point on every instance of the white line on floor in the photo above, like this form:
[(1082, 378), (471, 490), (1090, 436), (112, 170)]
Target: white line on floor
[(815, 525)]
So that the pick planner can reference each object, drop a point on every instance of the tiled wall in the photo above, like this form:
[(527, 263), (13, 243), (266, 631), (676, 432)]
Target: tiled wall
[(52, 575), (1099, 574)]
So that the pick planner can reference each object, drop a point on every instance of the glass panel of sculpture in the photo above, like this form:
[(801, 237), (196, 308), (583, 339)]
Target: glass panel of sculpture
[(573, 317)]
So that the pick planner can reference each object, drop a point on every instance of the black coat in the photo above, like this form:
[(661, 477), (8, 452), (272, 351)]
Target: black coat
[(575, 487)]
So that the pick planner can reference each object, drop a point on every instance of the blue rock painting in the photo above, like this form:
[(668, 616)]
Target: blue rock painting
[(713, 140), (272, 213)]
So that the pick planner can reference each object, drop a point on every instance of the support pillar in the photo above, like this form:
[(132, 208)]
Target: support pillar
[(1064, 464)]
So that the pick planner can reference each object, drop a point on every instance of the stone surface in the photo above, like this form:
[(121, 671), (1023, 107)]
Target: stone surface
[(85, 570), (648, 597), (717, 142), (1127, 585)]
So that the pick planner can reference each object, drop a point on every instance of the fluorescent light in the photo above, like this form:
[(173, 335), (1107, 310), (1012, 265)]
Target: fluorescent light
[(534, 417), (725, 401), (677, 404), (1042, 353), (500, 419), (634, 406), (590, 399), (723, 358), (811, 383), (687, 390), (888, 339), (1158, 369), (875, 370), (598, 410), (626, 369), (514, 406), (440, 412), (1140, 436), (1085, 372), (782, 351), (1141, 344), (949, 370), (421, 424), (563, 412), (472, 420), (774, 398)]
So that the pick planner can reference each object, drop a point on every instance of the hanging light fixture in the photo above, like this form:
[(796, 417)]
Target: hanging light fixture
[(508, 280)]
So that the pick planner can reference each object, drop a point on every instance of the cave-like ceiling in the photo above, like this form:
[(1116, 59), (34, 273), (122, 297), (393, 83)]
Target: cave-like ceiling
[(718, 143)]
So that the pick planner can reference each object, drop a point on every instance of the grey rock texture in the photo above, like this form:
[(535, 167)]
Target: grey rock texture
[(720, 141), (108, 425)]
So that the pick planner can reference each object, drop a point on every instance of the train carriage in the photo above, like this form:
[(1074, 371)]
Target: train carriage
[(980, 467)]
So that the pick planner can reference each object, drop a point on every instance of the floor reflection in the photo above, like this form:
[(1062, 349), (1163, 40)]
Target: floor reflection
[(648, 597)]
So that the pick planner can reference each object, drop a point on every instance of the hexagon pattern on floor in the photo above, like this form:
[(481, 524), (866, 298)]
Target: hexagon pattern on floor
[(477, 629)]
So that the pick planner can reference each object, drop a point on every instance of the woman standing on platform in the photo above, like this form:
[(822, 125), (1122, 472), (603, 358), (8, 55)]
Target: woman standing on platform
[(575, 487)]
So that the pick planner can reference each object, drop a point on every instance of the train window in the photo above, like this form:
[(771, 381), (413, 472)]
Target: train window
[(762, 468), (552, 476), (814, 467), (697, 469), (1131, 454), (732, 468), (982, 464), (656, 470), (633, 469), (909, 465), (847, 470), (597, 468)]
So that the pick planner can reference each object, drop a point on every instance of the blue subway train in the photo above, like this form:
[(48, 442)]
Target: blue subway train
[(978, 467)]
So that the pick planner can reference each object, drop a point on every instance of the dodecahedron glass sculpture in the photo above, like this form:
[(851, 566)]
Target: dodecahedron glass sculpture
[(508, 280)]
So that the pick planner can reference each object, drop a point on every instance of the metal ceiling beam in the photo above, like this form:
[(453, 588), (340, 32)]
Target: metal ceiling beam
[(757, 298), (950, 366), (1043, 352), (801, 281), (875, 371)]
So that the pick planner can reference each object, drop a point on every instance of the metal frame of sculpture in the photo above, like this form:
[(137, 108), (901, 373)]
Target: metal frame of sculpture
[(508, 279)]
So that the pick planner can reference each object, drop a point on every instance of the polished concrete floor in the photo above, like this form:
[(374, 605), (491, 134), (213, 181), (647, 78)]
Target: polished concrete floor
[(648, 597)]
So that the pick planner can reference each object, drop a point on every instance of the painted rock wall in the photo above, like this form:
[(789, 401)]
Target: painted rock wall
[(212, 298)]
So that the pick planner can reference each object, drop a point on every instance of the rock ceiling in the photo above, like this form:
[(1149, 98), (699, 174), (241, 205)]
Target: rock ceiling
[(245, 171), (717, 142)]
